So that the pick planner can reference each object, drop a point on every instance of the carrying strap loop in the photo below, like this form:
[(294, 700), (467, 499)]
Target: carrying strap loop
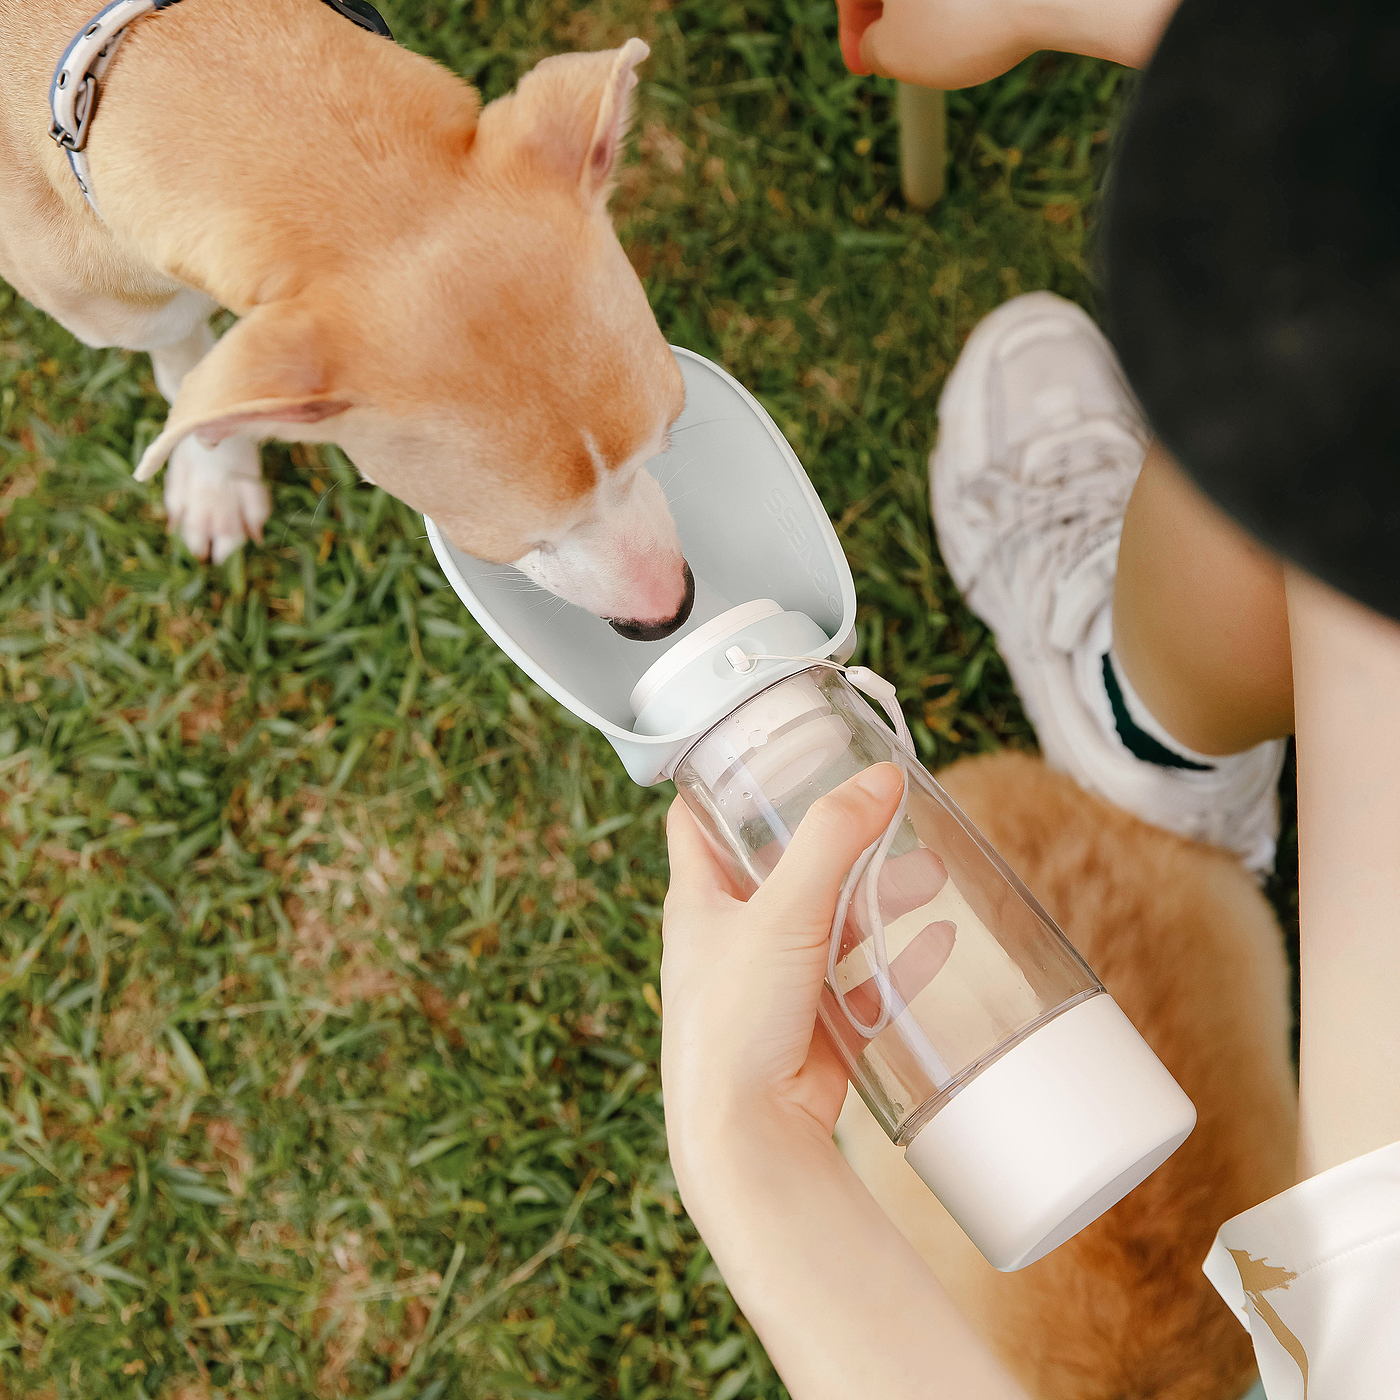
[(872, 860)]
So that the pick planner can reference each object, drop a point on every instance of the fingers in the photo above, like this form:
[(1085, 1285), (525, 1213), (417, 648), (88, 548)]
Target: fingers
[(836, 829), (869, 55), (856, 17), (934, 46), (697, 873), (906, 883), (918, 963), (923, 959)]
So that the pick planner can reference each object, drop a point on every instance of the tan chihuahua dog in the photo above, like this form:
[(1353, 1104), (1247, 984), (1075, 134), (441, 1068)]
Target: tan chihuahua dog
[(434, 287)]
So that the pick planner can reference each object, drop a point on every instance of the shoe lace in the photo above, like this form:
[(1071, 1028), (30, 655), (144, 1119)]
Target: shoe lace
[(1064, 501)]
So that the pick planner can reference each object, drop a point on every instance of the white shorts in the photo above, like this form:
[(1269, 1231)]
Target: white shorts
[(1314, 1276)]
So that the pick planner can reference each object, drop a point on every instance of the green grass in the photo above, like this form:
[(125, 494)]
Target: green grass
[(328, 945)]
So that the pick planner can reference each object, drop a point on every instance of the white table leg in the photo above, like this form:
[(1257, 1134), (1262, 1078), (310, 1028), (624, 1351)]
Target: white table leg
[(923, 145)]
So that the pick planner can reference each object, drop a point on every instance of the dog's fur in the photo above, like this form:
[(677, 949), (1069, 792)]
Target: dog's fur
[(434, 287), (1190, 950)]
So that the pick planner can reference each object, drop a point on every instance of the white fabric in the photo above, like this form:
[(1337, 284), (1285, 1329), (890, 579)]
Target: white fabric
[(1145, 719), (1039, 446), (1087, 661), (1314, 1275)]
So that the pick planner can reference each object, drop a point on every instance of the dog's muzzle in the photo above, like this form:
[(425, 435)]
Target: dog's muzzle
[(655, 631)]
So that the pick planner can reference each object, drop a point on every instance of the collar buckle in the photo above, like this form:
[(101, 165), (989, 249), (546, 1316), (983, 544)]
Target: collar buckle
[(75, 138), (74, 90)]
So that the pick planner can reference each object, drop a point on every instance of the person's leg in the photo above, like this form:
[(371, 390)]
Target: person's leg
[(1166, 702), (1200, 622), (1348, 688), (1207, 632)]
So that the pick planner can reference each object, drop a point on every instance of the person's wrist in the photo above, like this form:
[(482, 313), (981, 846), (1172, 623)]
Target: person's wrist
[(1028, 25), (1126, 32), (1064, 26), (715, 1141)]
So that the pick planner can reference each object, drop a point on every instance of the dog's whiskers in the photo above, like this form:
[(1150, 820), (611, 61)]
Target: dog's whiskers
[(500, 584), (671, 480), (691, 492), (325, 496), (690, 427)]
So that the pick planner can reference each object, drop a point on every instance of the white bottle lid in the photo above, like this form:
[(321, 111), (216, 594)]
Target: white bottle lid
[(1051, 1135), (690, 648), (783, 736), (694, 685)]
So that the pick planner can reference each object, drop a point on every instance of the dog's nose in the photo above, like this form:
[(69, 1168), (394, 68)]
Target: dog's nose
[(655, 631)]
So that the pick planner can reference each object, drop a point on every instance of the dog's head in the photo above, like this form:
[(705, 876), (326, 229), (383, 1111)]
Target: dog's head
[(493, 362)]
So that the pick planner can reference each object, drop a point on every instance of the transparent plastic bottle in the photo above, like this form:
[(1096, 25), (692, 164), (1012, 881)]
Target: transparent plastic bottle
[(1020, 1092)]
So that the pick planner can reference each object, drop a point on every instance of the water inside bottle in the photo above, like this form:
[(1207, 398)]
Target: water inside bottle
[(956, 991), (974, 964)]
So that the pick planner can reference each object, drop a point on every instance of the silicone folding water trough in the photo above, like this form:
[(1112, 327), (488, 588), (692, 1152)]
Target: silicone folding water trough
[(751, 526)]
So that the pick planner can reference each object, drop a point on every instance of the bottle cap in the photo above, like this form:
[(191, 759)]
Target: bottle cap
[(695, 685), (694, 646), (782, 737)]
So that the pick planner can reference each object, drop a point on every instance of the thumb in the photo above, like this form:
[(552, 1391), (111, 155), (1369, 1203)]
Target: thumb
[(871, 50), (837, 828), (856, 16)]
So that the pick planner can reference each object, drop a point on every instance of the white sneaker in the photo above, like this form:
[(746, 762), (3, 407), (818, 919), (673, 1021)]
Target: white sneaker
[(1039, 444)]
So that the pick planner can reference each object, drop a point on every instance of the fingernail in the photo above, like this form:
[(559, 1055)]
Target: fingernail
[(881, 782)]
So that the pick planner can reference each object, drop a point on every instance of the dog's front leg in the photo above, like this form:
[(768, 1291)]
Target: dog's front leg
[(215, 497)]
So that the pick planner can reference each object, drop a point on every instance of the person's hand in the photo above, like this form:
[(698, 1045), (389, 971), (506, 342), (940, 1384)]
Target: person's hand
[(842, 1302), (741, 979), (934, 43), (958, 43)]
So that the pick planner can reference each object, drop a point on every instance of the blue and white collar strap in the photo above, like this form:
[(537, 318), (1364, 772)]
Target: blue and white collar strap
[(76, 81)]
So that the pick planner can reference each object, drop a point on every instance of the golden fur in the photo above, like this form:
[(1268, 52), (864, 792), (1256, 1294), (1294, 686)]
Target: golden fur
[(434, 286), (1188, 947)]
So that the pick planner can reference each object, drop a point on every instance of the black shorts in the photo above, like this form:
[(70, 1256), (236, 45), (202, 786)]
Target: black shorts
[(1251, 259)]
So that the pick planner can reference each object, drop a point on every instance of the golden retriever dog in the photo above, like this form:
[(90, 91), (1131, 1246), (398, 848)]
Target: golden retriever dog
[(1186, 944)]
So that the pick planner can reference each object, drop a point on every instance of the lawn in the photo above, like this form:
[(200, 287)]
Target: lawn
[(328, 945)]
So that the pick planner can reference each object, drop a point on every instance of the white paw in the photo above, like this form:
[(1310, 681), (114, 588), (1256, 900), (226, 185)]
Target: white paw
[(215, 497)]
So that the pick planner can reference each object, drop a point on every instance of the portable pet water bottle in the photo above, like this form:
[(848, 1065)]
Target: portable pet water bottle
[(978, 1037)]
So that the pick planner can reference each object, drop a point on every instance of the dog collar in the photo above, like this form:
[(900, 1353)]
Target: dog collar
[(77, 79)]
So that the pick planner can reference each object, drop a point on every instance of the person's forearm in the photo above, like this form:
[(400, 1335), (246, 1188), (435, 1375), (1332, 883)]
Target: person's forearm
[(1125, 31), (1346, 697), (841, 1301)]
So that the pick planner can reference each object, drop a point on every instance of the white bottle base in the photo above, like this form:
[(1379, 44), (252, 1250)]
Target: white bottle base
[(1059, 1129)]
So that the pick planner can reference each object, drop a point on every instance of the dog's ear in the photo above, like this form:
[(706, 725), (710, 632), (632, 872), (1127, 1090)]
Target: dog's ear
[(270, 376), (612, 119), (570, 114)]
